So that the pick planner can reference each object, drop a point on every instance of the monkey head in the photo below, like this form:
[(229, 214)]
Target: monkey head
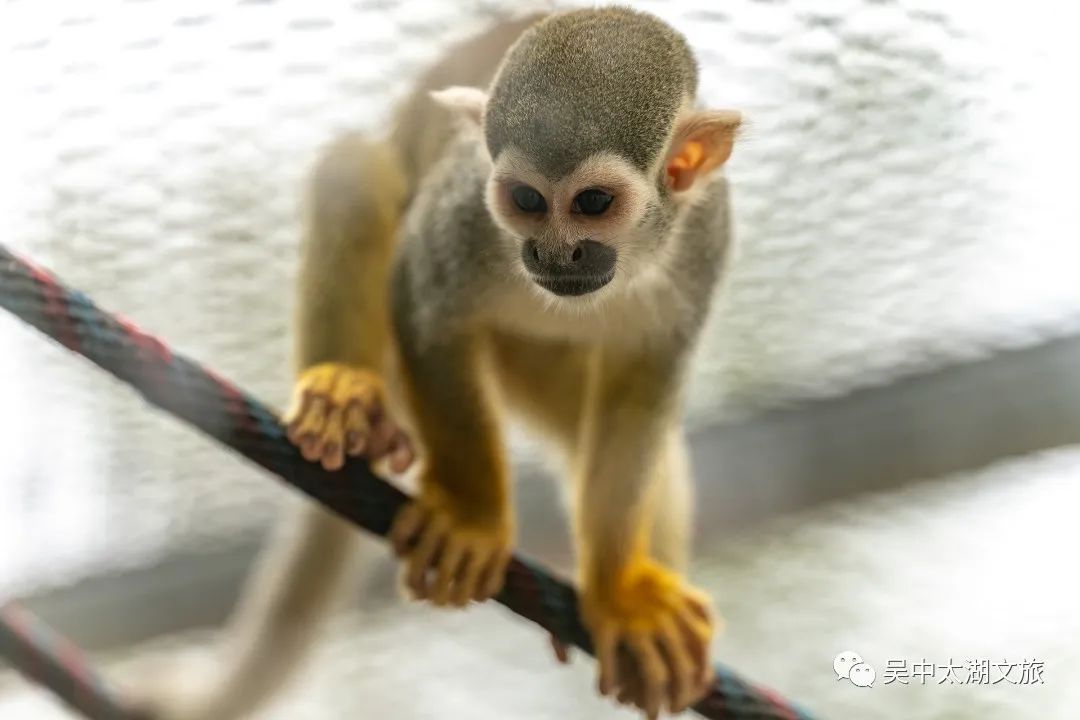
[(595, 144)]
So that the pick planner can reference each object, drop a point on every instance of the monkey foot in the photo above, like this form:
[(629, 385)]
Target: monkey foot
[(446, 561), (651, 633), (338, 411)]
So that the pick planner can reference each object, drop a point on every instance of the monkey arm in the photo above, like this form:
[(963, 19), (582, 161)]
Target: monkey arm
[(651, 630), (333, 323), (353, 207), (342, 323), (456, 536), (630, 406), (456, 425)]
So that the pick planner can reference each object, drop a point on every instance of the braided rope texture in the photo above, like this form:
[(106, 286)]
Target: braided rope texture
[(52, 660), (230, 416)]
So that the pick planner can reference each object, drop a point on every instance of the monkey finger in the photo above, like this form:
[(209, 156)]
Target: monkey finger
[(357, 429), (332, 457), (631, 694), (485, 579), (705, 681), (698, 652), (684, 671), (697, 633), (294, 430), (298, 405), (699, 605), (631, 688), (605, 643), (311, 447), (354, 444), (454, 555), (467, 582), (654, 673), (401, 454), (561, 649), (696, 641), (373, 410), (378, 443), (407, 525), (403, 582), (422, 557), (312, 420), (495, 575), (333, 437)]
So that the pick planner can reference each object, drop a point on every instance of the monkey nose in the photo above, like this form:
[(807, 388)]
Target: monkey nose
[(577, 270)]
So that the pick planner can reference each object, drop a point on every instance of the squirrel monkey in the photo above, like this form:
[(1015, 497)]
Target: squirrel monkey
[(540, 234)]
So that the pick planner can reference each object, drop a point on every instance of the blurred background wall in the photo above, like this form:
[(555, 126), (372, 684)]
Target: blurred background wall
[(899, 321)]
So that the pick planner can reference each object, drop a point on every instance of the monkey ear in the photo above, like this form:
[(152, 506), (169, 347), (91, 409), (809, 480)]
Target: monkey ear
[(703, 142), (467, 102)]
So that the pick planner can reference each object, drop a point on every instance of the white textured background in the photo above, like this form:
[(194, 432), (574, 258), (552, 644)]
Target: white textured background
[(904, 200)]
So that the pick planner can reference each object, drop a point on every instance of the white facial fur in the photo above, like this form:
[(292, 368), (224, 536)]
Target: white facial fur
[(620, 226)]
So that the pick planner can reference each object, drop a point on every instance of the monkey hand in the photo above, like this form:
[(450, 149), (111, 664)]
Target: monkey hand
[(339, 410), (651, 633), (452, 554)]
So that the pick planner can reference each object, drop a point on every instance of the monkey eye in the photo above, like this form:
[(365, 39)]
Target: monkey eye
[(592, 202), (528, 199)]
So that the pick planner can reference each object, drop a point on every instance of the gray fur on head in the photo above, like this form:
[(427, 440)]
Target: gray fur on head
[(587, 81)]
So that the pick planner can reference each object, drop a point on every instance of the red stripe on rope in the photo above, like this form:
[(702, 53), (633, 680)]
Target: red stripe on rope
[(56, 307)]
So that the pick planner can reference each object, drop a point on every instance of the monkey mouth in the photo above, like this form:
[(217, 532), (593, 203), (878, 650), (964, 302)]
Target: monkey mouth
[(573, 285)]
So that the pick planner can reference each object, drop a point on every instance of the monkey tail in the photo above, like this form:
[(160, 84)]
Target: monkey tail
[(297, 582)]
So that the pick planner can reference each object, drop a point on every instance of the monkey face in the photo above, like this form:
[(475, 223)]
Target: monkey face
[(578, 233)]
